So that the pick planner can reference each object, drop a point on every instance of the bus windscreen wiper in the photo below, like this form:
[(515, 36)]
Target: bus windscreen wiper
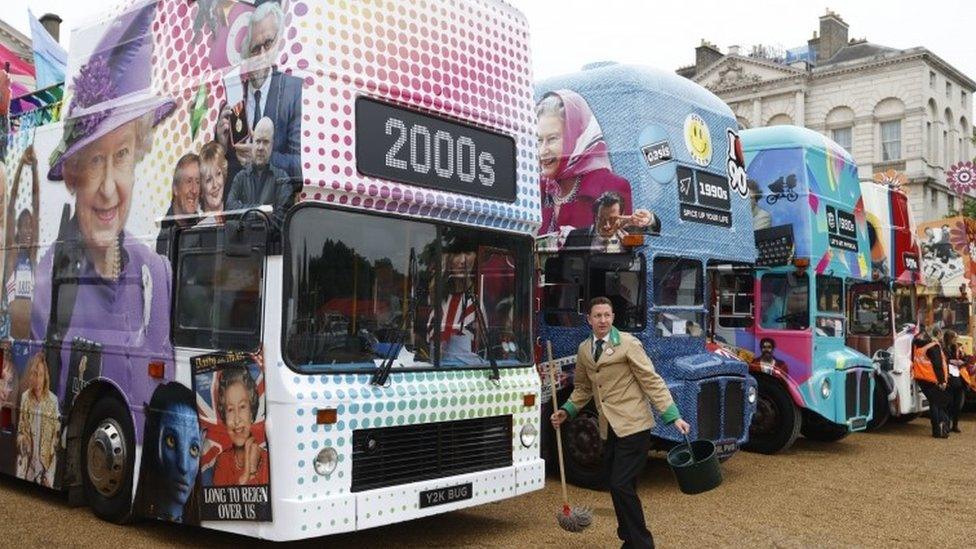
[(382, 374), (479, 317)]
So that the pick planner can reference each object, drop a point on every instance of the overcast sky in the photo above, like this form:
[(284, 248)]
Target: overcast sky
[(569, 33)]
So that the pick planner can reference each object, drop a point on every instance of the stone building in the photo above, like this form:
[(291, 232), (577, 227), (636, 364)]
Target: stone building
[(904, 110)]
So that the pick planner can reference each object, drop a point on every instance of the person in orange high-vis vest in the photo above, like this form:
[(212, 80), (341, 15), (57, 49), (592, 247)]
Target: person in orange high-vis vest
[(929, 371)]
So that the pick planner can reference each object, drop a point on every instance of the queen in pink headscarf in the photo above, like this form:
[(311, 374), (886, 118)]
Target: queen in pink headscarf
[(574, 163)]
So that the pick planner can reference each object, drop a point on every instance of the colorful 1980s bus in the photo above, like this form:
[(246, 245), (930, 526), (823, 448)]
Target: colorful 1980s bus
[(812, 242), (272, 272)]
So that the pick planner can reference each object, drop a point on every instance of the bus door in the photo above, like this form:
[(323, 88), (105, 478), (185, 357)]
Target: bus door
[(783, 316), (731, 302), (219, 291)]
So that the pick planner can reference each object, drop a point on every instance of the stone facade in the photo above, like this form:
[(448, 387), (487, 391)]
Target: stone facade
[(906, 110)]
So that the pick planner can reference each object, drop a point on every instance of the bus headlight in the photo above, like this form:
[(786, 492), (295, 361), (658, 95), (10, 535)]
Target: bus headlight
[(326, 461), (825, 388), (751, 395), (528, 434)]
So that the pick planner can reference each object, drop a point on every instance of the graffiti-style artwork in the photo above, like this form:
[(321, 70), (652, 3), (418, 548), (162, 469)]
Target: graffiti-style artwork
[(234, 465)]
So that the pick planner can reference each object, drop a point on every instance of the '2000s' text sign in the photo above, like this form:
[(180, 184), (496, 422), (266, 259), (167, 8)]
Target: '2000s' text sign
[(407, 146)]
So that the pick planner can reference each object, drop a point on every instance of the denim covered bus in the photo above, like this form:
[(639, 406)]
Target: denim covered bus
[(643, 193)]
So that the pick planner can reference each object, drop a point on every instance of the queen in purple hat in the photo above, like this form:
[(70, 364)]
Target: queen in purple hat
[(99, 286)]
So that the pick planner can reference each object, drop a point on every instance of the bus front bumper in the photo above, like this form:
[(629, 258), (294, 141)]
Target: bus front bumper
[(345, 512)]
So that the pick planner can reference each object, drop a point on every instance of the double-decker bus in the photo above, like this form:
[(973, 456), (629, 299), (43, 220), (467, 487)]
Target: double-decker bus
[(643, 190), (881, 313), (812, 242), (277, 272)]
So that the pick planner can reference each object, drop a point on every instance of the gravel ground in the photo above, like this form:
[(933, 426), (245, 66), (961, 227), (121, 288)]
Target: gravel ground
[(898, 487)]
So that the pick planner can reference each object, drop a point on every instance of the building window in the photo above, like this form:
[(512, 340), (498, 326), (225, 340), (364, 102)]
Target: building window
[(890, 140), (945, 149), (948, 90), (934, 199), (962, 97), (952, 202), (931, 79), (931, 138), (843, 137)]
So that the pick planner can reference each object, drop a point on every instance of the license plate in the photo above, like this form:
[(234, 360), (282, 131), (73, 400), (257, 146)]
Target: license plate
[(726, 448), (858, 424), (440, 496)]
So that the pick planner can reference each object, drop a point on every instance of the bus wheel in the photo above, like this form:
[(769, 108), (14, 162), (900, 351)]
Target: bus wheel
[(107, 458), (904, 418), (583, 450), (819, 429), (882, 410), (776, 422)]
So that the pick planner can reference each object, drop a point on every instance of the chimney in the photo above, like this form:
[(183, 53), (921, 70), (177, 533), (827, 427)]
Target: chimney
[(706, 54), (734, 50), (833, 36), (52, 24)]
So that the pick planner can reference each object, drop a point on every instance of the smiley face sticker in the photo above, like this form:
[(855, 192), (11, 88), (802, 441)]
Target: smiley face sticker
[(698, 140)]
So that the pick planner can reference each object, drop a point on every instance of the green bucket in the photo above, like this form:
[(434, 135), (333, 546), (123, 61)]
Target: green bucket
[(695, 465)]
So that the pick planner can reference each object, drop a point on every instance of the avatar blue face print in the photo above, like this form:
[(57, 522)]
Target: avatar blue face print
[(178, 460)]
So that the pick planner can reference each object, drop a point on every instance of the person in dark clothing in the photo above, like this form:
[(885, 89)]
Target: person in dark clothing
[(957, 390), (928, 369), (260, 182)]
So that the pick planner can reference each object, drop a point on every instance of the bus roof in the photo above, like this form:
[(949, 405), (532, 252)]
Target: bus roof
[(788, 137), (646, 118)]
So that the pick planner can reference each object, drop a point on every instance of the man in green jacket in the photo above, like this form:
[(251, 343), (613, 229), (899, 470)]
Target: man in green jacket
[(613, 369)]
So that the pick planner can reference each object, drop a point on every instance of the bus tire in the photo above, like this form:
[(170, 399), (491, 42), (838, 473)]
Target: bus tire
[(903, 418), (819, 429), (777, 420), (583, 450), (882, 410), (107, 460)]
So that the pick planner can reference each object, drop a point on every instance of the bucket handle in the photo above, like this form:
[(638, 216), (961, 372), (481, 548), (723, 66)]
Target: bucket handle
[(690, 450)]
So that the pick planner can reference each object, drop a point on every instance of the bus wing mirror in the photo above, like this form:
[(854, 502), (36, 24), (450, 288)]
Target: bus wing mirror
[(245, 235)]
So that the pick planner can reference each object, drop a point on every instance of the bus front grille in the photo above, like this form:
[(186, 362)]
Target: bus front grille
[(709, 411), (864, 390), (735, 398), (720, 417), (850, 394), (389, 456)]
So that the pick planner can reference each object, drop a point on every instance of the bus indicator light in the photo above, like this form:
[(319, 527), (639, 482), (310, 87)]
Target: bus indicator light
[(157, 369), (326, 416), (528, 400)]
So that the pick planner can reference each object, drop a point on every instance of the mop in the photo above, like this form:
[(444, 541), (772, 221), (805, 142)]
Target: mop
[(571, 519)]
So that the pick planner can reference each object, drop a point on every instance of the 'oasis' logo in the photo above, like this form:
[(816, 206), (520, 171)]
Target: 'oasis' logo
[(736, 165)]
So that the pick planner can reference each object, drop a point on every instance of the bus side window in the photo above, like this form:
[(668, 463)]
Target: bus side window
[(561, 290), (218, 300), (621, 280)]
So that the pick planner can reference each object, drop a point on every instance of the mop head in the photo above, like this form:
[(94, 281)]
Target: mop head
[(575, 519)]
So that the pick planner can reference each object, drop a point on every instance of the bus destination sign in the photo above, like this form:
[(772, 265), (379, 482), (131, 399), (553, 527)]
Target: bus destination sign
[(402, 145)]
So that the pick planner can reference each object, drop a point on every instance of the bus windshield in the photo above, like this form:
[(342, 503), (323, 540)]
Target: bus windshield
[(368, 289), (951, 314)]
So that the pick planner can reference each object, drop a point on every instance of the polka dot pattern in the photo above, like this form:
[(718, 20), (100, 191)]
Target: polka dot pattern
[(464, 60), (410, 397)]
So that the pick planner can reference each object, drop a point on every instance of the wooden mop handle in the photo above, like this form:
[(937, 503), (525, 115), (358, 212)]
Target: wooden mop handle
[(559, 438)]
